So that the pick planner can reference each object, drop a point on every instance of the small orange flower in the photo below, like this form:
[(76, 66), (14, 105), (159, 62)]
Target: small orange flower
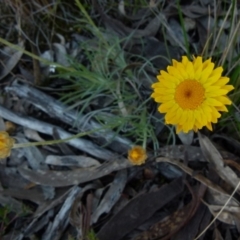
[(6, 144), (137, 155)]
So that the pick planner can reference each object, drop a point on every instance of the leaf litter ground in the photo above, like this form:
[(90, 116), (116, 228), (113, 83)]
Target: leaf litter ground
[(101, 72)]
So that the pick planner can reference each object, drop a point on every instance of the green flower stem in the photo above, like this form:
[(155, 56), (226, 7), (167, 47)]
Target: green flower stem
[(50, 142), (43, 60), (144, 139)]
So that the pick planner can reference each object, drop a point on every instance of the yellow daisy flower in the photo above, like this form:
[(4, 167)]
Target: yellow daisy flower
[(137, 155), (6, 144), (192, 93)]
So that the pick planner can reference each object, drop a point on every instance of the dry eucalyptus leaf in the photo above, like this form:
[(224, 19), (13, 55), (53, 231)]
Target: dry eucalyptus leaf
[(10, 178), (58, 110), (180, 151), (36, 161), (231, 141), (112, 195), (32, 134), (219, 198), (177, 30), (194, 11), (73, 177), (229, 215), (62, 147), (13, 204), (60, 53), (48, 55), (76, 215), (55, 230), (189, 24), (217, 235), (215, 200), (46, 128), (121, 7), (10, 58), (34, 194), (78, 161), (138, 210), (35, 225), (2, 125), (186, 138), (189, 171), (195, 226), (62, 193), (215, 158)]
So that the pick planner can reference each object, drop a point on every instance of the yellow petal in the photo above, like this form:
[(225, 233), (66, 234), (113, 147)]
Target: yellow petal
[(222, 81), (209, 126), (185, 61), (166, 106), (175, 73), (206, 72), (224, 100), (228, 87), (190, 70)]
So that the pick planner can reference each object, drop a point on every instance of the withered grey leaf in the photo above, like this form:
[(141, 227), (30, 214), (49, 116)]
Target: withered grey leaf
[(78, 161), (60, 54), (121, 7), (12, 204), (192, 228), (203, 34), (2, 125), (36, 225), (207, 22), (10, 59), (156, 51), (189, 24), (58, 110), (10, 178), (231, 141), (48, 55), (46, 128), (153, 26), (73, 177), (61, 195), (215, 200), (34, 157), (189, 171), (61, 219), (195, 11), (111, 196), (32, 134), (78, 217), (138, 210), (13, 234), (215, 158), (229, 215), (186, 138), (169, 171), (180, 151), (34, 194), (63, 147), (177, 30), (219, 198), (36, 161), (217, 235)]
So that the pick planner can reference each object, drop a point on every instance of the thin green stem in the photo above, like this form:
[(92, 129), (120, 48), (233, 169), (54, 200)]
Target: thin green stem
[(43, 60), (50, 142), (89, 19), (183, 28)]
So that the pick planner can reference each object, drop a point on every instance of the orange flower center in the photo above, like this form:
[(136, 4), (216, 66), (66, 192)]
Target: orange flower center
[(189, 94)]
